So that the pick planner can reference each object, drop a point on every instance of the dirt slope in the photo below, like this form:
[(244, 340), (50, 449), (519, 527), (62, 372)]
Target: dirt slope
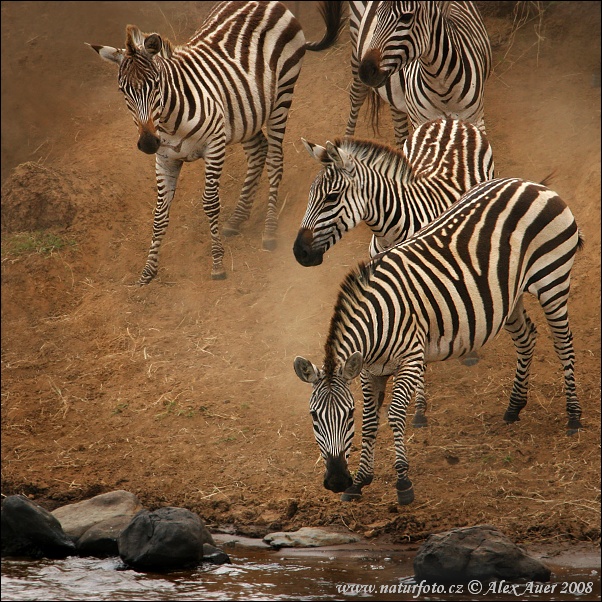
[(183, 391)]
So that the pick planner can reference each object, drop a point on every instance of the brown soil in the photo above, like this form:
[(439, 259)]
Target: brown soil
[(183, 391)]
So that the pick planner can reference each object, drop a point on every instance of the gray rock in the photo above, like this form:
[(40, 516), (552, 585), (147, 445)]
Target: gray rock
[(31, 531), (481, 552), (101, 539), (308, 537), (163, 540), (77, 518), (215, 555)]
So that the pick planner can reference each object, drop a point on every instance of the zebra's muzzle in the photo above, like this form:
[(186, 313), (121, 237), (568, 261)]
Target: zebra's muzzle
[(304, 252), (370, 72), (337, 477), (148, 143)]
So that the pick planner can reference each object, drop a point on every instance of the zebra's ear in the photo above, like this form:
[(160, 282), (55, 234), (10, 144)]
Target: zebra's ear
[(341, 158), (306, 371), (316, 151), (153, 44), (353, 366), (108, 53)]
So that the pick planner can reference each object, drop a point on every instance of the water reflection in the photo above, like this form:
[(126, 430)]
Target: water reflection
[(254, 574)]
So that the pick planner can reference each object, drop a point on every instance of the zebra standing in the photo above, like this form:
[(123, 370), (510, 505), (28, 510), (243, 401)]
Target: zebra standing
[(394, 192), (447, 290), (425, 59), (234, 76)]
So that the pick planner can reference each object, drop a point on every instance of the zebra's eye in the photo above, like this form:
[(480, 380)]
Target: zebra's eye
[(331, 197), (405, 18), (314, 415)]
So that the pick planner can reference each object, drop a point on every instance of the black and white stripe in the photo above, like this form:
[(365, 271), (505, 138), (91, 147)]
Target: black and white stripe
[(425, 59), (394, 192), (442, 293), (235, 76)]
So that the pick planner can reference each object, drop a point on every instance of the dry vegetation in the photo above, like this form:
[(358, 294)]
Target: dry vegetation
[(183, 391)]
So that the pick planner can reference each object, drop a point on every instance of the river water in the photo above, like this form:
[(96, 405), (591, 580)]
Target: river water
[(259, 573)]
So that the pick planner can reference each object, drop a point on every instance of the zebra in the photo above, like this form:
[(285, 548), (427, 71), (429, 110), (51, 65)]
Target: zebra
[(425, 59), (233, 77), (446, 290), (395, 192)]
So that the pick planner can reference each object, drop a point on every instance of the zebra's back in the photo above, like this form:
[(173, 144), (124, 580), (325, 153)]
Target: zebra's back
[(452, 286)]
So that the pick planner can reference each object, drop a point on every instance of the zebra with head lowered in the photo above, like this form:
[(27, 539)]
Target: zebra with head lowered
[(425, 59), (233, 77), (447, 290)]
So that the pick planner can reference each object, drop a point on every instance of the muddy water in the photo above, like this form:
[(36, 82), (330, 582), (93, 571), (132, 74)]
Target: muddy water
[(259, 573)]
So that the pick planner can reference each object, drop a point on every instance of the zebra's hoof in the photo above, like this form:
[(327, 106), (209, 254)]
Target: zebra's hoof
[(405, 497), (269, 244), (419, 421), (574, 426), (218, 275), (351, 497), (228, 231), (511, 417)]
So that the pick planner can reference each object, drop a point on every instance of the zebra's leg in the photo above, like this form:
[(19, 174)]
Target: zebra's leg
[(556, 311), (524, 335), (373, 389), (357, 97), (401, 126), (214, 162), (276, 128), (167, 172), (419, 419), (407, 380), (256, 150)]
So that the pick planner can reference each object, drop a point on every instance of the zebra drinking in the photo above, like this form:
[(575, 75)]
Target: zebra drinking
[(447, 290), (394, 192), (233, 77), (425, 59)]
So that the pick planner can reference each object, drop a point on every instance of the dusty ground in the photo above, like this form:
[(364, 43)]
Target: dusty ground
[(183, 391)]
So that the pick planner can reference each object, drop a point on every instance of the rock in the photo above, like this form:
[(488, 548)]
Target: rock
[(30, 530), (481, 552), (308, 537), (215, 555), (101, 539), (166, 539), (77, 518)]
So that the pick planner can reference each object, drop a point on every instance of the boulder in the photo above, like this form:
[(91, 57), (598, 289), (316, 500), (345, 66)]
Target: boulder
[(481, 552), (77, 518), (308, 537), (100, 540), (31, 531), (166, 539)]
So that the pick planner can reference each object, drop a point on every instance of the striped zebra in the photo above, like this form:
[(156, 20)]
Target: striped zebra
[(394, 192), (445, 291), (233, 77), (425, 59)]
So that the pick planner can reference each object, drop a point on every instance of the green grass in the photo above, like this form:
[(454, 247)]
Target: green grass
[(43, 242)]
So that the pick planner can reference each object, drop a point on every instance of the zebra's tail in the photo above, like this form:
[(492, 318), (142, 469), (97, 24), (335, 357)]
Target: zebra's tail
[(332, 14), (549, 178)]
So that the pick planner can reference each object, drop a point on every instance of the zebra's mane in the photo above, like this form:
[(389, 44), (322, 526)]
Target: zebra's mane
[(351, 294), (380, 157)]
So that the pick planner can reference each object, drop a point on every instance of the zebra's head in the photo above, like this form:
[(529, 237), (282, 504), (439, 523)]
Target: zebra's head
[(331, 407), (390, 36), (329, 212), (139, 81)]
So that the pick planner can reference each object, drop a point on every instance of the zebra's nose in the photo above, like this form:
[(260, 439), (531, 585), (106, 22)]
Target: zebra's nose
[(304, 253), (148, 143), (337, 477), (370, 72)]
